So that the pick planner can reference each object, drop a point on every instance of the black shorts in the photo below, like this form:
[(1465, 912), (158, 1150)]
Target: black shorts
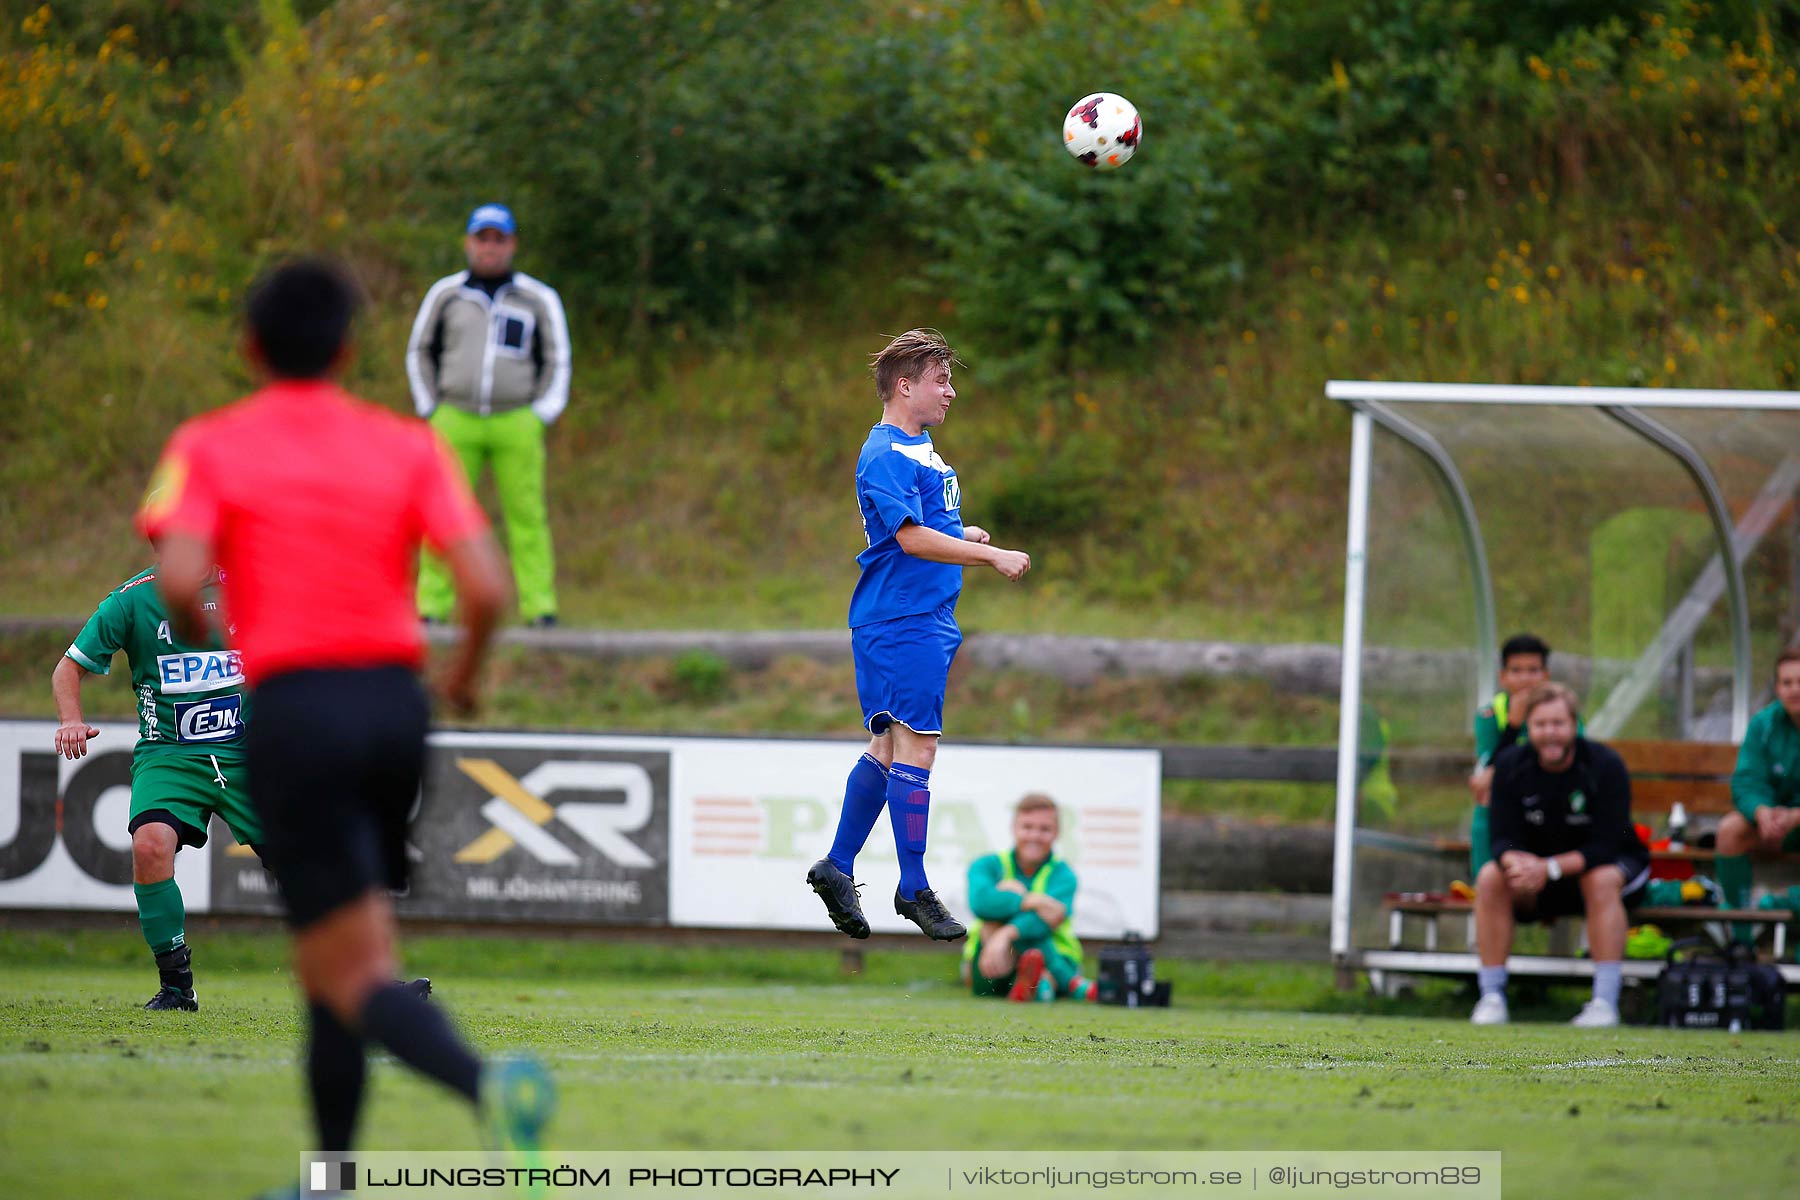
[(1562, 897), (335, 760)]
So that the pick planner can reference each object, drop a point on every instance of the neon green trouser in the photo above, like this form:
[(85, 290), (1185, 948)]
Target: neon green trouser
[(513, 444)]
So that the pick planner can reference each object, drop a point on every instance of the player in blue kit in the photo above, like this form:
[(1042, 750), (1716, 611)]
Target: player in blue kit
[(903, 630)]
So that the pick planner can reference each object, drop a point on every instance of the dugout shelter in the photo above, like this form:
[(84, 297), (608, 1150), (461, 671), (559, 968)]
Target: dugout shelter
[(1649, 535)]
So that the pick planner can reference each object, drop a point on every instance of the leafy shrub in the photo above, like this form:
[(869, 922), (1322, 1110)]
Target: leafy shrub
[(678, 154), (700, 676), (1048, 260)]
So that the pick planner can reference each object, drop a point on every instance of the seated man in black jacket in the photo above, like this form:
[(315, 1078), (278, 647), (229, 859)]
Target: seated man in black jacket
[(1561, 835)]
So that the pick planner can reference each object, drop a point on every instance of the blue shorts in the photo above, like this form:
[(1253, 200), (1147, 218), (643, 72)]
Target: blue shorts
[(902, 666)]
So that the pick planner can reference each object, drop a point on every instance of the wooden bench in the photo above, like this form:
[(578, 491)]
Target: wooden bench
[(1432, 911), (1697, 775)]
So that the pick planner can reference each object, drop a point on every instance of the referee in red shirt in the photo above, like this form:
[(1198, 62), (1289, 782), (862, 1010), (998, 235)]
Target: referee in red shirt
[(314, 504)]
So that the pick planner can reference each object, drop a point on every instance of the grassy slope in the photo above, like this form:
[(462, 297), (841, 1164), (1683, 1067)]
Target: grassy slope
[(742, 1050), (717, 494)]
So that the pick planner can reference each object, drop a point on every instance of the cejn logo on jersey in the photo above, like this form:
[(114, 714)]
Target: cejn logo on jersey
[(218, 719), (199, 671)]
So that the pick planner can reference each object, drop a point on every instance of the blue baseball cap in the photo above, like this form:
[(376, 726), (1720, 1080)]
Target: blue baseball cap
[(492, 216)]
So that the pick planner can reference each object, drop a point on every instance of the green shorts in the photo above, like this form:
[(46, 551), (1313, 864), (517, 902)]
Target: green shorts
[(191, 788)]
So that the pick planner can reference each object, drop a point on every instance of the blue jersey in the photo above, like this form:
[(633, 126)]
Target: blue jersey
[(899, 479)]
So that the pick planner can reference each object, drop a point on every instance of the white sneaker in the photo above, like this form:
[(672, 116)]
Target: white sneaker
[(1490, 1010), (1597, 1014)]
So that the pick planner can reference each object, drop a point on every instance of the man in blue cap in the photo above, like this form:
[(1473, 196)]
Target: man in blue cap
[(489, 365)]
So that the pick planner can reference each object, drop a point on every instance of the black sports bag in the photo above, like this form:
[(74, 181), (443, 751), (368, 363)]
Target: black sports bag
[(1734, 992)]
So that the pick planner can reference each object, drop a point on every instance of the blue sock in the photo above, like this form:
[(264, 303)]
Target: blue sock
[(864, 797), (909, 807), (1606, 982), (1491, 979)]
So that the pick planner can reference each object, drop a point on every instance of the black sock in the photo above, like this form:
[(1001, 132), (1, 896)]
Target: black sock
[(177, 968), (417, 1033), (335, 1069)]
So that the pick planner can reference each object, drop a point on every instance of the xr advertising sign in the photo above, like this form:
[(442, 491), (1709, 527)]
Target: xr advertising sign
[(517, 827)]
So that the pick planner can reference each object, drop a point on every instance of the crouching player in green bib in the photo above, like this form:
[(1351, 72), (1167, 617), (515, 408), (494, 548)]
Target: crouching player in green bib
[(189, 761), (1024, 898)]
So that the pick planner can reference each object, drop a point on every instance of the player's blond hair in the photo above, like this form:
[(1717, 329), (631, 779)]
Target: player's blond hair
[(1037, 802), (906, 357), (1549, 693)]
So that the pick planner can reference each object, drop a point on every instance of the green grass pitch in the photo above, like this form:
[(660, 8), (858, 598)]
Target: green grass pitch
[(671, 1047)]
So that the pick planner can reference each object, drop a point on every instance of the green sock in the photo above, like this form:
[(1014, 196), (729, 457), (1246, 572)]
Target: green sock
[(1480, 850), (1733, 871), (162, 915), (1061, 970)]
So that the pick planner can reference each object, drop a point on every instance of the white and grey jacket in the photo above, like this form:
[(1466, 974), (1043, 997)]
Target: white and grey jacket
[(490, 355)]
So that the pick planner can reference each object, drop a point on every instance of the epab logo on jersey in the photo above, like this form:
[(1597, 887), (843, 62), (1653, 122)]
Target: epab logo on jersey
[(199, 671), (217, 719)]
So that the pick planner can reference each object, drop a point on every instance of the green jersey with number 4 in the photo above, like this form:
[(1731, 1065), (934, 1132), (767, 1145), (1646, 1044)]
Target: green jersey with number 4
[(190, 699)]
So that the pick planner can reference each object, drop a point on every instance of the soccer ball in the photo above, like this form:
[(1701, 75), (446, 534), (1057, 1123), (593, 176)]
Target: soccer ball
[(1103, 131)]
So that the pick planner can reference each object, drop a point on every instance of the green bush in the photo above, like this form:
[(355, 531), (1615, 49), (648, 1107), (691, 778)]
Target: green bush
[(700, 676), (1046, 499), (1043, 258), (677, 155)]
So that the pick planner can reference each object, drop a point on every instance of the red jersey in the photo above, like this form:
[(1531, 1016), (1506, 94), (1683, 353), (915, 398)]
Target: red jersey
[(314, 503)]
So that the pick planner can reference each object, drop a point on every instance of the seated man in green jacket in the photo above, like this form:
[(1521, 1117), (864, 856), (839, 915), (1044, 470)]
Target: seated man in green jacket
[(1024, 898), (1765, 788)]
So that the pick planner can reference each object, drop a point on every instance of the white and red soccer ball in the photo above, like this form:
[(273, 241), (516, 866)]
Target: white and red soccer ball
[(1103, 130)]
